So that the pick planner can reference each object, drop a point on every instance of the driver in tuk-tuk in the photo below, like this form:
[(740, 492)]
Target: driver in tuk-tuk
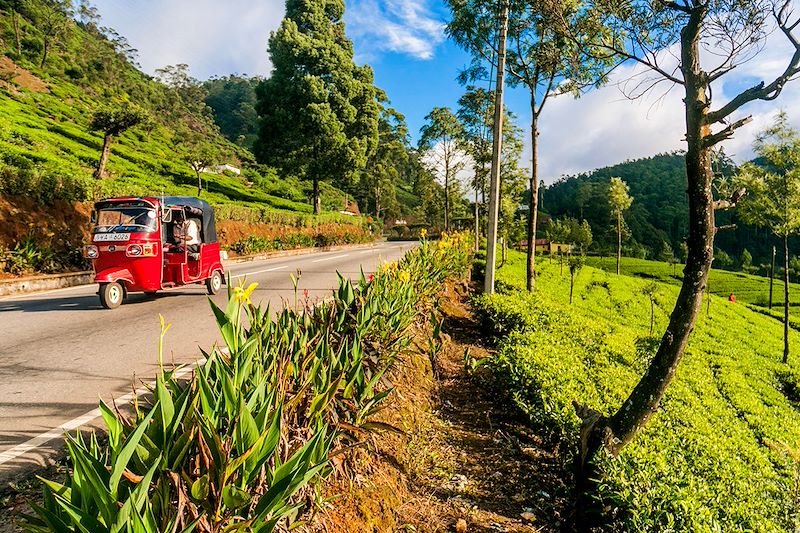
[(187, 234)]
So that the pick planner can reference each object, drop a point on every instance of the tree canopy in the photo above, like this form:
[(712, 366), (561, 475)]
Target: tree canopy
[(318, 110)]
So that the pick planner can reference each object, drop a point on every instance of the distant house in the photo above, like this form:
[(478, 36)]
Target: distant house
[(547, 247), (219, 169), (552, 248)]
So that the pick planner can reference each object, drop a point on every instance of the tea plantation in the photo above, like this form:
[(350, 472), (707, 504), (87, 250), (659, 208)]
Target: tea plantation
[(747, 288), (723, 451)]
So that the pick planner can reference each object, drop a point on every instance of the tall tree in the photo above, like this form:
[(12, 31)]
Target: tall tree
[(233, 100), (385, 166), (619, 200), (657, 35), (112, 123), (475, 111), (773, 195), (539, 58), (318, 110), (442, 139), (52, 19), (16, 7)]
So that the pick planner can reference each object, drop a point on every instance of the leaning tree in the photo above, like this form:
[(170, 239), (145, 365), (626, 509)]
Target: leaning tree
[(668, 39), (113, 122)]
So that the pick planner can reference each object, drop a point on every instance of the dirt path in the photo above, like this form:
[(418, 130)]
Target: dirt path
[(468, 462)]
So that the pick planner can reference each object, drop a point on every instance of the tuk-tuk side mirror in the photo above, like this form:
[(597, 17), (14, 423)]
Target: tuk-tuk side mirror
[(93, 217), (166, 216)]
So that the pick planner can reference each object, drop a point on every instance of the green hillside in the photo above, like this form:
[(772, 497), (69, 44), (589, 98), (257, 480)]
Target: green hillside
[(47, 150), (659, 213), (721, 452)]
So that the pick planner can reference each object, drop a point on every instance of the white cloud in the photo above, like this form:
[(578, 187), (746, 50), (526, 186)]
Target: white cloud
[(403, 26), (214, 38), (604, 127)]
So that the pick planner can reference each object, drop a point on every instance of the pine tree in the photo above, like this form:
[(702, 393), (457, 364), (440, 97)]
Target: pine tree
[(318, 110)]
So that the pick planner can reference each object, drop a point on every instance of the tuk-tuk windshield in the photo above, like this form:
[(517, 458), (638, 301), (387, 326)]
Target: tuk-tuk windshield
[(125, 219)]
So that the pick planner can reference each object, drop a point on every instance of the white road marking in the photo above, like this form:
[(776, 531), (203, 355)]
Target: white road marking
[(43, 293), (259, 271), (329, 258), (75, 423)]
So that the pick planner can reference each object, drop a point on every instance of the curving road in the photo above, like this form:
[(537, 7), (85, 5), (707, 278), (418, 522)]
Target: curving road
[(60, 350)]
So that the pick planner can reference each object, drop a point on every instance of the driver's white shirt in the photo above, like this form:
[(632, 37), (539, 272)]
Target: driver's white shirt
[(192, 232)]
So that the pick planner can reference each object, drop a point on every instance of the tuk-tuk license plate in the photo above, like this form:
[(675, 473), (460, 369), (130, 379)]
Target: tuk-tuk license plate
[(114, 237)]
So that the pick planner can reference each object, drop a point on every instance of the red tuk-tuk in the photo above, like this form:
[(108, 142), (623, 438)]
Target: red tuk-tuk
[(149, 244)]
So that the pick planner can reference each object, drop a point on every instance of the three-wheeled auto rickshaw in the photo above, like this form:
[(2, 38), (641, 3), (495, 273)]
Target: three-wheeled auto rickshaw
[(150, 244)]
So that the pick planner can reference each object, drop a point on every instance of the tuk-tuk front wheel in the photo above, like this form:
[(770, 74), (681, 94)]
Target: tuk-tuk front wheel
[(214, 283), (111, 295)]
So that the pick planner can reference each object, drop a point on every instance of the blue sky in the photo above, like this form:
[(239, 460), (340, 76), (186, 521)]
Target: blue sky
[(404, 42)]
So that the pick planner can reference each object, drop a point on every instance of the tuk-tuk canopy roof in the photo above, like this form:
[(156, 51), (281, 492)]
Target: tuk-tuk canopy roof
[(209, 229)]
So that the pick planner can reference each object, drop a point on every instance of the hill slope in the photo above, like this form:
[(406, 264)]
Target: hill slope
[(659, 212)]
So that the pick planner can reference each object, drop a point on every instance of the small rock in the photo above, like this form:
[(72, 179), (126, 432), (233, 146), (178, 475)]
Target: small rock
[(461, 525), (543, 494), (518, 497), (458, 481), (528, 516), (496, 475)]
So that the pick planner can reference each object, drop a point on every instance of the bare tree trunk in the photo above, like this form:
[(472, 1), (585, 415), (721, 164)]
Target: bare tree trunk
[(477, 222), (15, 18), (533, 211), (316, 198), (100, 172), (199, 182), (785, 299), (45, 50), (571, 283), (771, 277), (619, 239), (447, 196), (615, 432)]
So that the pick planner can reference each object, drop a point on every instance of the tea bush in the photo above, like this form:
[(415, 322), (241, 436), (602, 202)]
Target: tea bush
[(240, 446), (714, 457), (287, 239)]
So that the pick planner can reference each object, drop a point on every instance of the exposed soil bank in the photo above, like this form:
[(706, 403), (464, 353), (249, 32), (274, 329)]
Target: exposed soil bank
[(467, 461)]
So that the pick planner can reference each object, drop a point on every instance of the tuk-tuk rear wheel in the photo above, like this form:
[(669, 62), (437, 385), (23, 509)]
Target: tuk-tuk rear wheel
[(111, 295), (214, 283)]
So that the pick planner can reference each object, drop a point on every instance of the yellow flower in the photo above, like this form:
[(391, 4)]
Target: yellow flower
[(404, 276), (242, 295), (423, 233)]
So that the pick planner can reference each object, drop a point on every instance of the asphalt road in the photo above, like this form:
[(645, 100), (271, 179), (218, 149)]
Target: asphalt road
[(60, 351)]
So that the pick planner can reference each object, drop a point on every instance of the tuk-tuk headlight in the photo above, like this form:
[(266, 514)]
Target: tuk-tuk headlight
[(90, 251), (141, 250)]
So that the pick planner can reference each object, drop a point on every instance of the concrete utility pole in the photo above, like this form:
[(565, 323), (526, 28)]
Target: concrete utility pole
[(497, 144)]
